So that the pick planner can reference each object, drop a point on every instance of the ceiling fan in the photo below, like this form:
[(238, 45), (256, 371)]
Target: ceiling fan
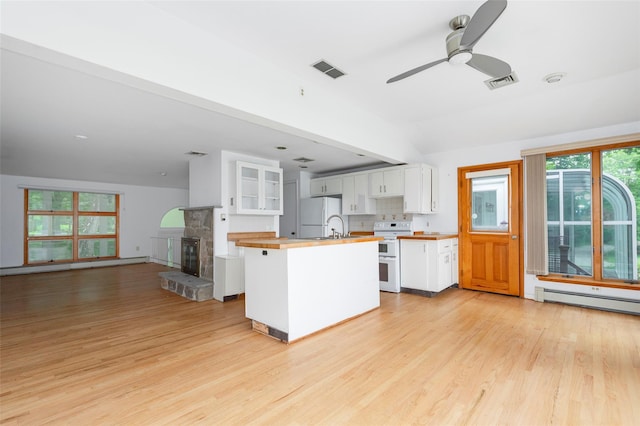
[(466, 33)]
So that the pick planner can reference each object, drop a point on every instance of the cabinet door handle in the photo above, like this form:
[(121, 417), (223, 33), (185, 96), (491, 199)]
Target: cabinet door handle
[(385, 188), (380, 188)]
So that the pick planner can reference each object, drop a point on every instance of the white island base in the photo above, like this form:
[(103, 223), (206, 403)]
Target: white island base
[(291, 292)]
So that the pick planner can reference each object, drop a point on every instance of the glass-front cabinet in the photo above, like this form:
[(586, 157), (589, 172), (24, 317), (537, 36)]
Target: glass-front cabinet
[(258, 189)]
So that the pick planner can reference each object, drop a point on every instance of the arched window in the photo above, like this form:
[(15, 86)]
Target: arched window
[(174, 218)]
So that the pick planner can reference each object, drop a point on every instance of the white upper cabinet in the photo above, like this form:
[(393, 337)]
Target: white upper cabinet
[(258, 190), (420, 189), (355, 195), (387, 183), (321, 187), (417, 183)]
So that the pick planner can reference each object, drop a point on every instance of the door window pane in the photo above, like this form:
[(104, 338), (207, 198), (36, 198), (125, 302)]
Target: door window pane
[(50, 200), (50, 250), (96, 225), (490, 203), (90, 202), (49, 225)]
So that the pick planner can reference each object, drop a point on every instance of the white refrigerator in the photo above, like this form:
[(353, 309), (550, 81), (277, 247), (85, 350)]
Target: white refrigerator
[(314, 213)]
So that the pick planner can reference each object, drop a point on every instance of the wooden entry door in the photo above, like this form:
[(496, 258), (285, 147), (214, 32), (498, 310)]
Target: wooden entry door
[(490, 216)]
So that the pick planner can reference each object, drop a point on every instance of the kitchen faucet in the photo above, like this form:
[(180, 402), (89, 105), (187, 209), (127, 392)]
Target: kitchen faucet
[(334, 235)]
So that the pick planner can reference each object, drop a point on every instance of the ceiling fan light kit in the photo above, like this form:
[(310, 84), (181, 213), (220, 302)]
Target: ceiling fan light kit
[(460, 58), (466, 33)]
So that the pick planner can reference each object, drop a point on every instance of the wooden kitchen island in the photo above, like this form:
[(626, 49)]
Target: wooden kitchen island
[(296, 287)]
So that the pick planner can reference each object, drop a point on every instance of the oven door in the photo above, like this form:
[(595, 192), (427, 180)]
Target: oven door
[(389, 270), (388, 248)]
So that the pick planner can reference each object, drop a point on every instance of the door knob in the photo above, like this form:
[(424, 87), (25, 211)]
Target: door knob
[(514, 237)]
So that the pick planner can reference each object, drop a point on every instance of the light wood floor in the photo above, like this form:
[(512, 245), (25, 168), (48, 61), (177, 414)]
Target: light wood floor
[(108, 346)]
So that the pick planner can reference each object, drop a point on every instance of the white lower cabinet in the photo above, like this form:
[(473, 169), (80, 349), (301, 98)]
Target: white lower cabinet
[(454, 262), (428, 265), (228, 277)]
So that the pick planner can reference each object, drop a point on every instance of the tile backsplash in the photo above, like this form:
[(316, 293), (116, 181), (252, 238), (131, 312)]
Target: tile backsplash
[(386, 208)]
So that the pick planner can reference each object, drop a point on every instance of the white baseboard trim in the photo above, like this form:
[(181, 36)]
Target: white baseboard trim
[(20, 270)]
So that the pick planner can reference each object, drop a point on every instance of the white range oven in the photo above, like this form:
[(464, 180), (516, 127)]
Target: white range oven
[(389, 252)]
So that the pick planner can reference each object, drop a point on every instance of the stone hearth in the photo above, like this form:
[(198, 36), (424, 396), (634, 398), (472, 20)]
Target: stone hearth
[(187, 286)]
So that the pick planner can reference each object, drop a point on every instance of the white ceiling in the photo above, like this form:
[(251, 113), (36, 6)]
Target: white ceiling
[(137, 129)]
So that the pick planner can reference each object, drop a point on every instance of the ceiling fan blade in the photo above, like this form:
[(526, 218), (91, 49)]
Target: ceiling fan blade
[(491, 66), (481, 21), (415, 70)]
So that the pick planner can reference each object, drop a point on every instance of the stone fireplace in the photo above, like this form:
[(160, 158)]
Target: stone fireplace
[(195, 280), (198, 225)]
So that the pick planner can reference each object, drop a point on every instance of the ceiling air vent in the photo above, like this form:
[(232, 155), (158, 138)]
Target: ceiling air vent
[(303, 160), (496, 83), (328, 69), (196, 153)]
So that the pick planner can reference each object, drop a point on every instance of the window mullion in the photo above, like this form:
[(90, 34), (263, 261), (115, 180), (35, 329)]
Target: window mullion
[(596, 212), (25, 244), (76, 225)]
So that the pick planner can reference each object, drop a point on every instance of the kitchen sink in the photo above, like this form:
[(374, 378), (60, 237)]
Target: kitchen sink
[(346, 237)]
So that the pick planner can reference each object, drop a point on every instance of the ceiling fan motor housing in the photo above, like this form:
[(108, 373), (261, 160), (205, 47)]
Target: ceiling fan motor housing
[(453, 48), (457, 24)]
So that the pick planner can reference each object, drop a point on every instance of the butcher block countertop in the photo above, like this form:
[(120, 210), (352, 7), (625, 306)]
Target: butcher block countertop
[(427, 236), (286, 243)]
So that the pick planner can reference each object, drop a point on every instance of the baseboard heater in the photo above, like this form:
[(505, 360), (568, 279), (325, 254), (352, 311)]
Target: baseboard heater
[(605, 303)]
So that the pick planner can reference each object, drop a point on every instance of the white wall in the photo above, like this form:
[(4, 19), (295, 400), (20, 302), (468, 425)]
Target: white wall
[(141, 210), (205, 180), (448, 163)]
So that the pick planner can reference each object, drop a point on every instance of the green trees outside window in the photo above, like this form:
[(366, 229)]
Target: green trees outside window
[(64, 226), (593, 223)]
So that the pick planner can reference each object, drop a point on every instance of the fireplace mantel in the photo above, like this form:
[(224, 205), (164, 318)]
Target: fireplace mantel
[(200, 208)]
